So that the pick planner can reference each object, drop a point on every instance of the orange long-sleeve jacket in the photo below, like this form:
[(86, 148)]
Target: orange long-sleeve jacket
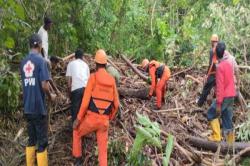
[(153, 65), (107, 80)]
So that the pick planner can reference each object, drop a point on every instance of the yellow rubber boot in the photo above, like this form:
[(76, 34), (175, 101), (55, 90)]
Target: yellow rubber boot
[(42, 158), (30, 155), (230, 138), (215, 125)]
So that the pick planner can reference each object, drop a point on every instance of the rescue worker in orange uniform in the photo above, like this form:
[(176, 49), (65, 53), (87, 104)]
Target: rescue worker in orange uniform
[(210, 77), (99, 105), (159, 74)]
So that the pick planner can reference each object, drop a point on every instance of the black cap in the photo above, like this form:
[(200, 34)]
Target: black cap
[(220, 49), (47, 21), (79, 53), (35, 39)]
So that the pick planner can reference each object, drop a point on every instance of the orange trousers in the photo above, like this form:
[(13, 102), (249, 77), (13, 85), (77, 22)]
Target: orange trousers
[(161, 89), (93, 122)]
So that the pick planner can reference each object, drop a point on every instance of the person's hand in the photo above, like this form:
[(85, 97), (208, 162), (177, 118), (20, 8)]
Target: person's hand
[(53, 97), (76, 123), (218, 111)]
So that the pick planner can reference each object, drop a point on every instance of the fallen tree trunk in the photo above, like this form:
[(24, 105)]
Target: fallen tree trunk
[(145, 78), (141, 93), (225, 148)]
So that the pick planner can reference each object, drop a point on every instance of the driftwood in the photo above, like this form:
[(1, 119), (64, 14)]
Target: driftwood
[(169, 110), (114, 65), (194, 79), (141, 93), (243, 102), (225, 148), (183, 71), (145, 78), (238, 156), (69, 57), (244, 67)]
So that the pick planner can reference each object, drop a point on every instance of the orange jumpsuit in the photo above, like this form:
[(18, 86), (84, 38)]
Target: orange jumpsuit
[(162, 72), (99, 105)]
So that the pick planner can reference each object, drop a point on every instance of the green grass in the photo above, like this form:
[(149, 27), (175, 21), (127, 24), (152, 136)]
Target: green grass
[(245, 161)]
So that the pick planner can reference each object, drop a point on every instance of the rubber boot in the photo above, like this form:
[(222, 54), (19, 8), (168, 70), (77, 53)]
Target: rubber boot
[(30, 155), (215, 125), (42, 158), (230, 138)]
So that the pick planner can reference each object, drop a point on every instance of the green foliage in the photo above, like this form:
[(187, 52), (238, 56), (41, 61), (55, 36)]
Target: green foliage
[(168, 150), (11, 20), (245, 161), (176, 32), (116, 153), (147, 133), (9, 87), (243, 130)]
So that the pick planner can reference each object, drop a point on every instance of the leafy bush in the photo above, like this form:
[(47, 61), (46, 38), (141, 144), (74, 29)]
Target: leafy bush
[(9, 88), (147, 133), (116, 153)]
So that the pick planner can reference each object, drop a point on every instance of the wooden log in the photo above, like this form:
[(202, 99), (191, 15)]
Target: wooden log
[(145, 78), (244, 67), (113, 64), (69, 57), (141, 93), (209, 145)]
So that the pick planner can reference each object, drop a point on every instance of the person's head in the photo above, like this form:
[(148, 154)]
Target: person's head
[(214, 40), (35, 42), (101, 59), (54, 61), (79, 54), (145, 64), (47, 23), (220, 49)]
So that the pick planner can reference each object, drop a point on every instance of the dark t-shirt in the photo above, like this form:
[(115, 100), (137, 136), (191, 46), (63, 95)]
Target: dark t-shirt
[(34, 70)]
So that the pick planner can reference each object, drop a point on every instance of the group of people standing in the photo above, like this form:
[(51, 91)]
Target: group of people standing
[(223, 74), (95, 101)]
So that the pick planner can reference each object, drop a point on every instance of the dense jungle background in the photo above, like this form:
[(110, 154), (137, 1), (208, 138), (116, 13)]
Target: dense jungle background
[(176, 32)]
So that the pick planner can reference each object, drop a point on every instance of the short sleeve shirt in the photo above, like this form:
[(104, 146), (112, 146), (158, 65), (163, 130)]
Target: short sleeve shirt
[(45, 41), (34, 70), (78, 70)]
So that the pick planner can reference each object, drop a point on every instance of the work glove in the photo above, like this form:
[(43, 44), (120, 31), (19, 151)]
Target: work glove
[(218, 112)]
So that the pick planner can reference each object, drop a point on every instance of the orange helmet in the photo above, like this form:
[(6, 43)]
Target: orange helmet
[(144, 63), (101, 57), (214, 38)]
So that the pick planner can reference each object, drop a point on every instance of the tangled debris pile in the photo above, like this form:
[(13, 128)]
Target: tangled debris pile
[(179, 117)]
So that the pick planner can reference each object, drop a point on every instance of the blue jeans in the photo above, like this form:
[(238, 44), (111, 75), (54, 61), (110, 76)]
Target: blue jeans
[(226, 114)]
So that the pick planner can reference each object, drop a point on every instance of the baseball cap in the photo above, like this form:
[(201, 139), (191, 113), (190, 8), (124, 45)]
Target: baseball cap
[(35, 39)]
